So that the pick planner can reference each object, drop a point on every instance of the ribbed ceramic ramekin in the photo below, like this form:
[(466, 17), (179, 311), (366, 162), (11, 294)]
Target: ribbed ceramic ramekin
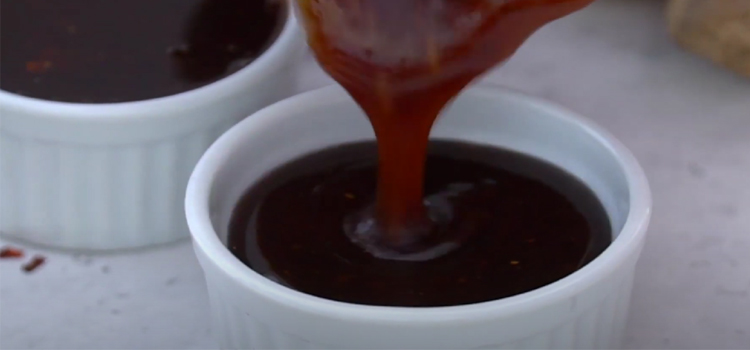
[(113, 176), (587, 309)]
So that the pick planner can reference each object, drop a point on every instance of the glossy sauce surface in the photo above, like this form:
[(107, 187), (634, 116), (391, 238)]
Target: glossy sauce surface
[(532, 224), (104, 51)]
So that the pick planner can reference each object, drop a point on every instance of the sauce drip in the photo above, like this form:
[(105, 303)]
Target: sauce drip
[(402, 61)]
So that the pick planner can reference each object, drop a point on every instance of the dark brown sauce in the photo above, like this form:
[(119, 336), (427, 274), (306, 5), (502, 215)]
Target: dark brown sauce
[(533, 222), (402, 61), (102, 51)]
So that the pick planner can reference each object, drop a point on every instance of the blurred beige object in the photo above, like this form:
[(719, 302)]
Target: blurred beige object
[(716, 29)]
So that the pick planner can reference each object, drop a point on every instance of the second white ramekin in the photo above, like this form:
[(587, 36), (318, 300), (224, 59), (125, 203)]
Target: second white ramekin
[(587, 309), (112, 176)]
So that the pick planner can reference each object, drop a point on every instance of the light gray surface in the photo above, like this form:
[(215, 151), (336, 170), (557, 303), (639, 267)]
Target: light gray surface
[(687, 122)]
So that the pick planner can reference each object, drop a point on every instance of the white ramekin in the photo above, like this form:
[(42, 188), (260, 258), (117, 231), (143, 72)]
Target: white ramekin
[(587, 309), (113, 176)]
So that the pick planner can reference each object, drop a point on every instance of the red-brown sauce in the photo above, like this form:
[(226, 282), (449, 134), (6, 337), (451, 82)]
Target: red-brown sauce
[(403, 61), (104, 51)]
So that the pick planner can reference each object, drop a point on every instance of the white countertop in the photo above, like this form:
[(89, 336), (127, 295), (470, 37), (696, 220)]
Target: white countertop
[(687, 121)]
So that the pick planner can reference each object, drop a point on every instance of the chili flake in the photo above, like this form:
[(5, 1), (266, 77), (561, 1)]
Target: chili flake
[(11, 253), (34, 264), (38, 66)]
